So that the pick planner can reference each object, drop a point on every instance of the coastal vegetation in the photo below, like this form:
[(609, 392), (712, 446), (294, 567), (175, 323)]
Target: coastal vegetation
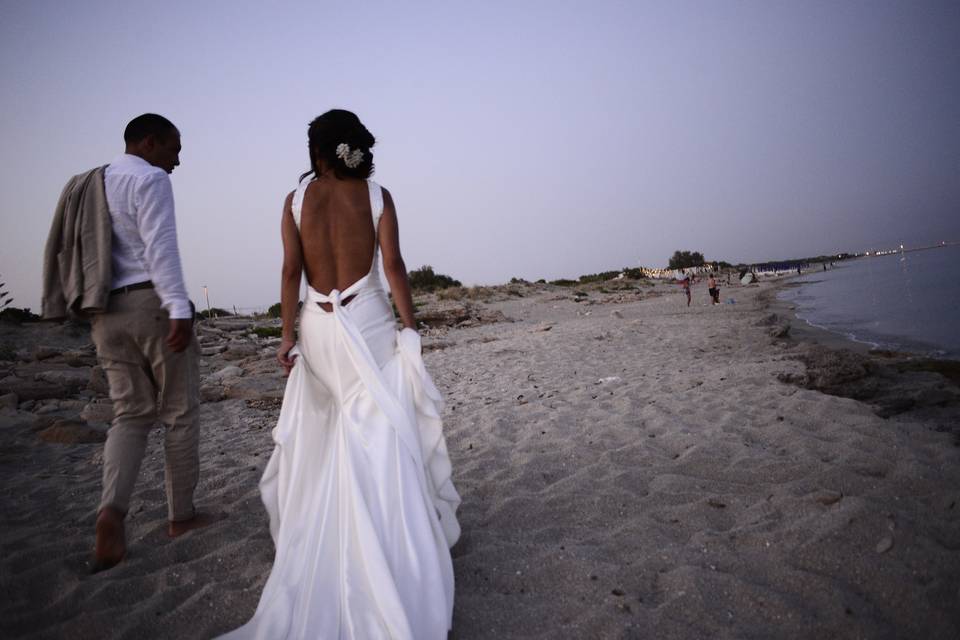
[(12, 314), (268, 332), (629, 273), (468, 293), (425, 279), (215, 312), (685, 260)]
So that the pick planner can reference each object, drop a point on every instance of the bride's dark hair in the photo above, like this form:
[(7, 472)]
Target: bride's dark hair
[(329, 131)]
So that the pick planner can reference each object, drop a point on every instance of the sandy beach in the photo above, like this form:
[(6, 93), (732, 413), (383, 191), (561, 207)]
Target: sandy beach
[(629, 467)]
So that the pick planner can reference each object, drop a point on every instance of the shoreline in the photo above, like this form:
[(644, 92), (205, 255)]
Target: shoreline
[(894, 382), (803, 330), (909, 346)]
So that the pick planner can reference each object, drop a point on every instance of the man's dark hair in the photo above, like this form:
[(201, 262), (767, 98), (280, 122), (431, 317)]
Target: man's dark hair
[(149, 124)]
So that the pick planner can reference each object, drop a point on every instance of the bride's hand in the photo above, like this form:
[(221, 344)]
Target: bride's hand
[(409, 340), (283, 357)]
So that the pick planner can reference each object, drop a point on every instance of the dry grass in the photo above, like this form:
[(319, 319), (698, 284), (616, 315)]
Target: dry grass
[(482, 294)]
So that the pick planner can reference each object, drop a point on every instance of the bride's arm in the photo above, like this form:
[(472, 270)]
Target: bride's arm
[(393, 265), (289, 283)]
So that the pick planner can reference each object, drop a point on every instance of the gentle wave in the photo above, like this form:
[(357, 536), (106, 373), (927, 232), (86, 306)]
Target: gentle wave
[(902, 302)]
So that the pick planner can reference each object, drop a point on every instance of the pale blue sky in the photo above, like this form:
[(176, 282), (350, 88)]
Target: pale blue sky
[(529, 139)]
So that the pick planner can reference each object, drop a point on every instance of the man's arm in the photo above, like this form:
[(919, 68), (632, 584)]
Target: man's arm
[(156, 222)]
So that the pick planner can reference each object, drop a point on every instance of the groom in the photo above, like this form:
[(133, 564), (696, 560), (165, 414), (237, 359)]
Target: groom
[(144, 330)]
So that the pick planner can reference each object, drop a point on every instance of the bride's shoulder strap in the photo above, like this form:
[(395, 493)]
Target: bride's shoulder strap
[(376, 203), (297, 205)]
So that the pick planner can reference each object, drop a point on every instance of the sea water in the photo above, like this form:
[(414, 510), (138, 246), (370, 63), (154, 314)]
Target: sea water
[(904, 301)]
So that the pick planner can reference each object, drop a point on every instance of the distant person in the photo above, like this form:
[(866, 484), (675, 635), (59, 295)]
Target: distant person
[(685, 285), (713, 290), (143, 328), (358, 492)]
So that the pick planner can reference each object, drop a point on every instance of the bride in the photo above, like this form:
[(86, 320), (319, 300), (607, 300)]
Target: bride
[(362, 508)]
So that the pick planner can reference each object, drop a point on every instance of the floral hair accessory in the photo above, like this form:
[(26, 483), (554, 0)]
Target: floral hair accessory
[(350, 158)]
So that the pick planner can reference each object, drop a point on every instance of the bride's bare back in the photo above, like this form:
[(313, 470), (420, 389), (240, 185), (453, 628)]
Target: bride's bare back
[(336, 233), (334, 246)]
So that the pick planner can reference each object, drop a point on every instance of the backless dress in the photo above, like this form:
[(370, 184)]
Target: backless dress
[(358, 490)]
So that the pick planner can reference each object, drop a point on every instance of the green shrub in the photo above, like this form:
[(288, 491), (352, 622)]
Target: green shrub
[(268, 332), (18, 316), (685, 259), (563, 282), (274, 310), (215, 312), (599, 277), (424, 279)]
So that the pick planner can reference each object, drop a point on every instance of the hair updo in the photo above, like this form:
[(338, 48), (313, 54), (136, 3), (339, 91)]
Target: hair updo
[(329, 131)]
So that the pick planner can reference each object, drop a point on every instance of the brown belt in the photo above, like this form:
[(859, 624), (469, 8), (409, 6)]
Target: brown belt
[(132, 287)]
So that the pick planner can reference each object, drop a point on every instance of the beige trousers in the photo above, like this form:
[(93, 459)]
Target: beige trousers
[(149, 383)]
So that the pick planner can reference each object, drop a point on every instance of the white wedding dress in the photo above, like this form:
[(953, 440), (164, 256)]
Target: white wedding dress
[(362, 507)]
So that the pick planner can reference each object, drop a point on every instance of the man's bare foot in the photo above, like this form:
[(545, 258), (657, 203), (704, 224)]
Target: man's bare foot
[(111, 544), (196, 522)]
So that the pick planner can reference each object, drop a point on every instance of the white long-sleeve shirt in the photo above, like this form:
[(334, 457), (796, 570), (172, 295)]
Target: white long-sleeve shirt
[(140, 198)]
